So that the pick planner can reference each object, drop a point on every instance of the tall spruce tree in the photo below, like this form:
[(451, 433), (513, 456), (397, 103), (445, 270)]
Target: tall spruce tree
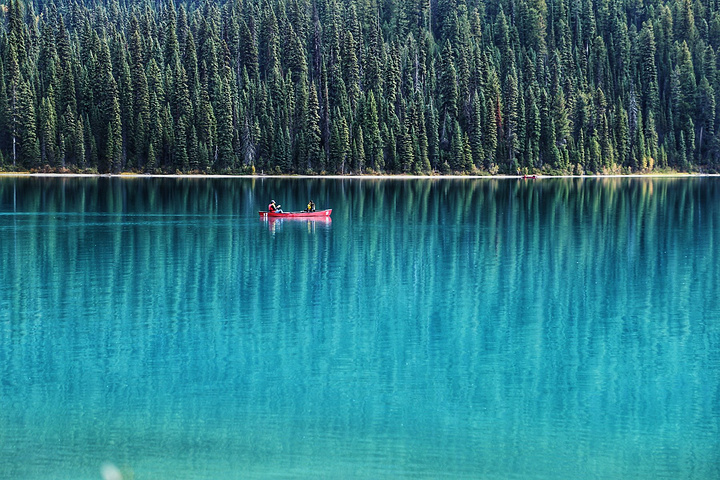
[(313, 135), (26, 130)]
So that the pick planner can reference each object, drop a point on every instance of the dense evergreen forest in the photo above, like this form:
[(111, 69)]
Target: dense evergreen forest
[(359, 86)]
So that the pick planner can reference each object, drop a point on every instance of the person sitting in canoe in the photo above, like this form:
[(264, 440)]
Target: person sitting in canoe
[(310, 206), (274, 207)]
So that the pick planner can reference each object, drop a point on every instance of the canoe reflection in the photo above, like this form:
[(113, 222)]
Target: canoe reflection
[(274, 224)]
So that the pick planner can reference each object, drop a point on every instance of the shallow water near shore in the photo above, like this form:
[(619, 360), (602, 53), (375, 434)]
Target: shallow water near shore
[(433, 328)]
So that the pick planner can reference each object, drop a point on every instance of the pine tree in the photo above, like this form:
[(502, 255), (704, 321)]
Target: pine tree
[(351, 72), (358, 155), (422, 160), (651, 141), (390, 157), (5, 111), (269, 59), (14, 91), (622, 135), (648, 70), (66, 96), (593, 154), (206, 128), (374, 59), (457, 149), (548, 148), (685, 29), (190, 64), (446, 18), (297, 62), (180, 103), (313, 134), (417, 13), (705, 115), (17, 33), (91, 150), (249, 144), (433, 138), (48, 133), (685, 97), (125, 101), (299, 124), (80, 158), (141, 103), (281, 149), (172, 47), (29, 148), (67, 130), (502, 39), (371, 130), (155, 135), (534, 132), (225, 155), (405, 146), (448, 85), (248, 52), (494, 118), (339, 144), (511, 126), (393, 79), (109, 122), (180, 153), (193, 150), (467, 151), (47, 63)]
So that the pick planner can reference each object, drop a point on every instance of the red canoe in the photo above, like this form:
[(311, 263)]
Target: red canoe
[(318, 213)]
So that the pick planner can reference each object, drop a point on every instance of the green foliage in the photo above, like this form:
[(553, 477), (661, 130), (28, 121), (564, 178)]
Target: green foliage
[(357, 85), (29, 148)]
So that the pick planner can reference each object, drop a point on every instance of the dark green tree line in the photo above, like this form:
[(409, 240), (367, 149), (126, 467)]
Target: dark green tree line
[(357, 86)]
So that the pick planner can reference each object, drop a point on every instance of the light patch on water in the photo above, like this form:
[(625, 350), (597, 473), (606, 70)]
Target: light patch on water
[(110, 472)]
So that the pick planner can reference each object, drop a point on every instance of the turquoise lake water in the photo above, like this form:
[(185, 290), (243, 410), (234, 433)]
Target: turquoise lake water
[(449, 328)]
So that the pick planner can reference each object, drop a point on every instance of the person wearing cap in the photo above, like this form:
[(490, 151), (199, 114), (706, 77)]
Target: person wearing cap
[(274, 208), (311, 206)]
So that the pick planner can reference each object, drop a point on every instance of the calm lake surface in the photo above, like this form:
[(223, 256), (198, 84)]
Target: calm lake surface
[(450, 328)]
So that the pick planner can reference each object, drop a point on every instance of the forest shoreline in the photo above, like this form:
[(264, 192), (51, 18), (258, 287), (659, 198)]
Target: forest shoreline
[(356, 86), (355, 177)]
